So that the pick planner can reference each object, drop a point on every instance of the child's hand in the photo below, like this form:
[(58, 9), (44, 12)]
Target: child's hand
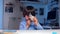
[(35, 21)]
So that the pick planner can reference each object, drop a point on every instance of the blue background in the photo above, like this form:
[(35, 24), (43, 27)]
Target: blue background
[(1, 13)]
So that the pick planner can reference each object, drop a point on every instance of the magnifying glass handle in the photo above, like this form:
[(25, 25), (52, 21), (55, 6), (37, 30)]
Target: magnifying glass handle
[(31, 17)]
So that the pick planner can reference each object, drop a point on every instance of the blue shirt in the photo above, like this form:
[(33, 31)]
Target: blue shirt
[(32, 26)]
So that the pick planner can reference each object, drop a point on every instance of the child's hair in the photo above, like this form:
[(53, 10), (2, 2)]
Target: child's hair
[(27, 12), (29, 7)]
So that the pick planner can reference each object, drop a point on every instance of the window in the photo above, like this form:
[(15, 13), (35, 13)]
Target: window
[(52, 14), (9, 9), (41, 11)]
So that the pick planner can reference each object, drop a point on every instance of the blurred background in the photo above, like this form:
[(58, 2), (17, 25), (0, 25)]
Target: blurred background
[(47, 13)]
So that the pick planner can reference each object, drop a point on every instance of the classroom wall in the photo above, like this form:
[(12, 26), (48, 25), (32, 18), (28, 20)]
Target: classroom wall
[(11, 20)]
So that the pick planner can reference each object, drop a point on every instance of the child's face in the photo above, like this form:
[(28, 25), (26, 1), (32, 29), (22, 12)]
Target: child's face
[(26, 17)]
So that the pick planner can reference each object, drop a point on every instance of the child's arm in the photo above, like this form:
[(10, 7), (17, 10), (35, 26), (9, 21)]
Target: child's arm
[(36, 23), (27, 21), (35, 20), (28, 24)]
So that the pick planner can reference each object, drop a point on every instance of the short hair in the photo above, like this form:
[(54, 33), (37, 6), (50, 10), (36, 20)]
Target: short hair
[(27, 13), (29, 7)]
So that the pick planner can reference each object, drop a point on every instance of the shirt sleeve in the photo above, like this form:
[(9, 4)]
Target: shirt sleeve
[(22, 26), (39, 27)]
